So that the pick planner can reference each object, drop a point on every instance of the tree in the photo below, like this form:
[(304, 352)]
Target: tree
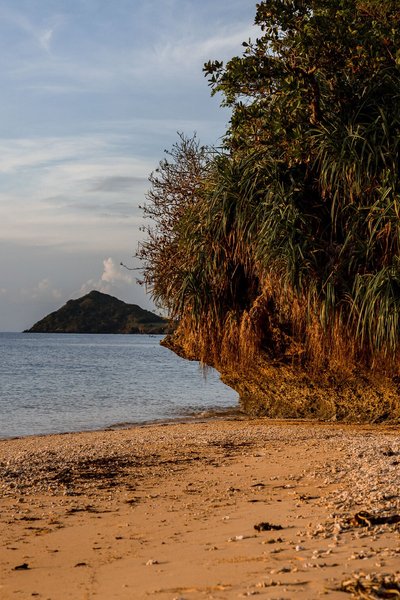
[(293, 244), (175, 195)]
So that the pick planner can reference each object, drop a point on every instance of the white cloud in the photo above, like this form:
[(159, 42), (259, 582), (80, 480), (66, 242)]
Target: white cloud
[(45, 39), (75, 191), (43, 290), (177, 51), (113, 280), (35, 152), (112, 273), (117, 183), (41, 34), (185, 56), (86, 115), (219, 45)]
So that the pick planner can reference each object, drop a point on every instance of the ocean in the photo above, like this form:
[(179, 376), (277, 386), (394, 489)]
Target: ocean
[(57, 383)]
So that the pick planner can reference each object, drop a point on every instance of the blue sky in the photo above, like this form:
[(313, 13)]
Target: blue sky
[(92, 92)]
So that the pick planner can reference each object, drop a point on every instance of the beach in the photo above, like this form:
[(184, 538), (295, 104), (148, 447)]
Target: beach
[(212, 509)]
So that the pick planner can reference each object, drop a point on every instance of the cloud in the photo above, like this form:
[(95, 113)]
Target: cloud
[(112, 273), (113, 279), (90, 99), (95, 208), (45, 39), (176, 46), (44, 290), (100, 159), (41, 34), (188, 51), (118, 183), (73, 191), (26, 153)]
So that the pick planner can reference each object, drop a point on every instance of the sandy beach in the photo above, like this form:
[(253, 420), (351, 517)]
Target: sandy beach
[(218, 509)]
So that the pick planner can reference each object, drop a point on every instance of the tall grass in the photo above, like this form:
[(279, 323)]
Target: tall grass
[(288, 240)]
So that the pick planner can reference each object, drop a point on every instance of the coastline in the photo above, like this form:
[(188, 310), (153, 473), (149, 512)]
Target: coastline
[(208, 414), (65, 383), (168, 510)]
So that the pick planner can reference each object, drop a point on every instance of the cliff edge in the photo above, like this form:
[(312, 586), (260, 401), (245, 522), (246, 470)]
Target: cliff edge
[(284, 389)]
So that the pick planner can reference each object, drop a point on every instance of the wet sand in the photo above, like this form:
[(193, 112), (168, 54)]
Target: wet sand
[(169, 512)]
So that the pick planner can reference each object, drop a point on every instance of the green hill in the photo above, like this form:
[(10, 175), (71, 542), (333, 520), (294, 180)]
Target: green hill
[(100, 313)]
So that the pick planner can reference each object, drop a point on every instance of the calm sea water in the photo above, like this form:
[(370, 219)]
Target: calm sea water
[(58, 383)]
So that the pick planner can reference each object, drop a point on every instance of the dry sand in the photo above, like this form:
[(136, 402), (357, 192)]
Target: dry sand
[(168, 512)]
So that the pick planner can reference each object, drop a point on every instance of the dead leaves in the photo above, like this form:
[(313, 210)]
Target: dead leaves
[(366, 519), (372, 587)]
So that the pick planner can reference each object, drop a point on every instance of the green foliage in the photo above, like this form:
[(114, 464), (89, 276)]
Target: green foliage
[(174, 200), (100, 313), (291, 234)]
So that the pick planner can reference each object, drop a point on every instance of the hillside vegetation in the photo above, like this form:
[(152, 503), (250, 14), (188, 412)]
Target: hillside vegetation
[(279, 253), (100, 313)]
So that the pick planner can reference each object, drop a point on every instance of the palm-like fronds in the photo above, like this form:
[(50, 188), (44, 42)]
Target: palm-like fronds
[(289, 239)]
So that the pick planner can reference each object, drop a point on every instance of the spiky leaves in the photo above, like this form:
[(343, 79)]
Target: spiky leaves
[(290, 239)]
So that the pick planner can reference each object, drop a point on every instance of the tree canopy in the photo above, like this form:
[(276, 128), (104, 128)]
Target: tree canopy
[(287, 239)]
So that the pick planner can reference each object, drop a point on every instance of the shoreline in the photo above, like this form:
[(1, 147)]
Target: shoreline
[(209, 414), (169, 511)]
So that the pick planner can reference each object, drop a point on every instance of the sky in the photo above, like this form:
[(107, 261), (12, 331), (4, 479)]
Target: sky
[(92, 93)]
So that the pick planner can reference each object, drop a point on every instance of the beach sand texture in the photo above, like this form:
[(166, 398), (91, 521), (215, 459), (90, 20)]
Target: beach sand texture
[(168, 512)]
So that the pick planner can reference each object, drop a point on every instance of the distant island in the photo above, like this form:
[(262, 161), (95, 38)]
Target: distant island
[(100, 313)]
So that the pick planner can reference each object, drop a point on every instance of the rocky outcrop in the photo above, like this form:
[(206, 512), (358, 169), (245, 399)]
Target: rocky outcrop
[(283, 389), (277, 390)]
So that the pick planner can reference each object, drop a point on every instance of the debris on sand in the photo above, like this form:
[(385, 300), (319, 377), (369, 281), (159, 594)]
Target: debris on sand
[(367, 519), (372, 586), (265, 526), (23, 567)]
